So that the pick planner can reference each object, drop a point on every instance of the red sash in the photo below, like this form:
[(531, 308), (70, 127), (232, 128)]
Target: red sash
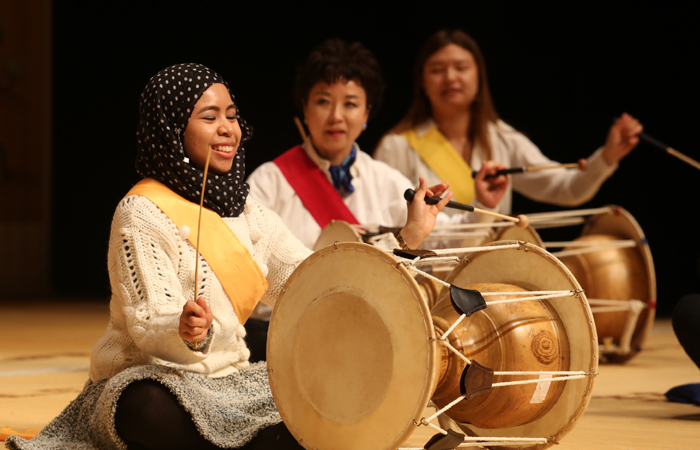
[(315, 191)]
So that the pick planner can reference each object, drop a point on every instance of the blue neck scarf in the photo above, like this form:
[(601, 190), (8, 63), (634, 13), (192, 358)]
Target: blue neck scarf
[(341, 174)]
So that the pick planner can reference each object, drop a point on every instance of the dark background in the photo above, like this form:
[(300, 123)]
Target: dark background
[(559, 74)]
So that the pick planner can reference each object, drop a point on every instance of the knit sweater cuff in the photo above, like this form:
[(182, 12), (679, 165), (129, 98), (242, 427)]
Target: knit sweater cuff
[(201, 346)]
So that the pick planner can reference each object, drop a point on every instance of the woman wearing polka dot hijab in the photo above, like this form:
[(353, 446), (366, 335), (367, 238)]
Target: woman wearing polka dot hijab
[(166, 106), (171, 372)]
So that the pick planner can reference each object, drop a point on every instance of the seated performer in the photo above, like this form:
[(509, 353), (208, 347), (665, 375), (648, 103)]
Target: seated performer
[(328, 177), (452, 127), (172, 371), (686, 317)]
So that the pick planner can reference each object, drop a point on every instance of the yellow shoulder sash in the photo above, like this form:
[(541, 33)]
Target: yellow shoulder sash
[(438, 154), (230, 260)]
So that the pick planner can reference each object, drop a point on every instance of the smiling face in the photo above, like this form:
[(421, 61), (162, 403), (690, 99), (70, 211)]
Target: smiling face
[(336, 114), (451, 77), (213, 127)]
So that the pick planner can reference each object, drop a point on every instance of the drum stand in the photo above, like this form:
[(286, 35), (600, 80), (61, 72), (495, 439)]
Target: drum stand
[(633, 308)]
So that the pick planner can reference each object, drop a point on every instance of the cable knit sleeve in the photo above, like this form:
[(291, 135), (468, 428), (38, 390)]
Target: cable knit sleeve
[(145, 255), (275, 248)]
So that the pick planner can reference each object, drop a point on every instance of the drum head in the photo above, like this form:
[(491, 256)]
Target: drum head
[(528, 234), (336, 231), (350, 361), (620, 224), (533, 268)]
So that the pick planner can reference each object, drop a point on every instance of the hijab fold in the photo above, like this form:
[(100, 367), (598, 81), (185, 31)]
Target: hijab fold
[(166, 105)]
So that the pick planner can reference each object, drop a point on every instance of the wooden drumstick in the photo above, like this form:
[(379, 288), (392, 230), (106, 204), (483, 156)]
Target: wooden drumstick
[(300, 127), (199, 227), (521, 221), (650, 140), (522, 169)]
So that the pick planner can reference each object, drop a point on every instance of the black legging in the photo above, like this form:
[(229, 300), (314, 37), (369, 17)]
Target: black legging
[(256, 339), (149, 417), (686, 325)]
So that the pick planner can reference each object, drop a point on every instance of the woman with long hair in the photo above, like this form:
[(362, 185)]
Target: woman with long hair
[(452, 128)]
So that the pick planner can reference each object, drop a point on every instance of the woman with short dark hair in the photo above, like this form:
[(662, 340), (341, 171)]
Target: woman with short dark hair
[(337, 90), (328, 177)]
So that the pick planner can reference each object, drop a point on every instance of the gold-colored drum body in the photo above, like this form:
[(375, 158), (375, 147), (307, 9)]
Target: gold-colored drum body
[(610, 273)]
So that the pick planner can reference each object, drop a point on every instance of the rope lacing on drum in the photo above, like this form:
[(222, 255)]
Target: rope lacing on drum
[(479, 441), (589, 246), (430, 261), (529, 295), (537, 218), (561, 375), (543, 376), (600, 305), (465, 250)]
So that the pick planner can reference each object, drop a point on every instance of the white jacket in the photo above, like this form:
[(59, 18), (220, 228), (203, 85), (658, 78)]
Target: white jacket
[(377, 200), (557, 186)]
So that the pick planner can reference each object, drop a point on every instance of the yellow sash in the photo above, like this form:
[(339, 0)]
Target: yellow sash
[(438, 154), (230, 260)]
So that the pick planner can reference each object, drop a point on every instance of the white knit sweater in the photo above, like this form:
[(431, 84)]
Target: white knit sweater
[(151, 268)]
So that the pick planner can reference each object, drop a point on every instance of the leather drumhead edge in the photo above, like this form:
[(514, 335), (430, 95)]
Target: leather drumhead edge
[(336, 231), (350, 362)]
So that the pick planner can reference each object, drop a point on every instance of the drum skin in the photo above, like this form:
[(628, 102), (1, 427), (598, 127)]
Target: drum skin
[(350, 354), (527, 234), (336, 231), (522, 336)]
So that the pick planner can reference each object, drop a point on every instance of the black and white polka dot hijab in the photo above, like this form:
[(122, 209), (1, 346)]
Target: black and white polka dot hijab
[(166, 105)]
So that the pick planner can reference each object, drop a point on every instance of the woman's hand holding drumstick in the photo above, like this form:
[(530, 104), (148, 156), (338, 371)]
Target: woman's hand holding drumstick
[(521, 221), (199, 306), (489, 184), (622, 138), (195, 320), (422, 215)]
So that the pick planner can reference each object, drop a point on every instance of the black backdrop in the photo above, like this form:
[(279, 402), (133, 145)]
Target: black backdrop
[(558, 74)]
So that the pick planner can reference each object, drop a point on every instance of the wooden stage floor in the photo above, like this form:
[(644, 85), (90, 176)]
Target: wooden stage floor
[(45, 351)]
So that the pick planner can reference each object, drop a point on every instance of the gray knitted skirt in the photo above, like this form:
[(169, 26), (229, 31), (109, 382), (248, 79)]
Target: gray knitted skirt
[(228, 411)]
